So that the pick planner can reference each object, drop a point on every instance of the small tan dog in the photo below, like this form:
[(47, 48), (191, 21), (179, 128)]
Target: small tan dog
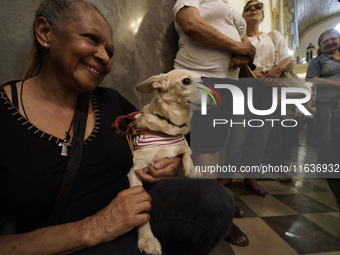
[(168, 113)]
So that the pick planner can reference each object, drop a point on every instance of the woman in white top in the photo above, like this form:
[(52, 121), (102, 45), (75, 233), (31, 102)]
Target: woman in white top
[(247, 145), (272, 57)]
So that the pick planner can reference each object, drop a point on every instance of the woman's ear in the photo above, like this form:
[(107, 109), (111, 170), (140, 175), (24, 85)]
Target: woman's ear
[(262, 16), (42, 32)]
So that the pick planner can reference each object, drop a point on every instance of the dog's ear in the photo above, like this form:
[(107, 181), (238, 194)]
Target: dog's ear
[(154, 82)]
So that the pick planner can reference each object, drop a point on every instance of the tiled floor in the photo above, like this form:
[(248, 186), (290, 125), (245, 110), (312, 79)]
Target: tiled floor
[(298, 216)]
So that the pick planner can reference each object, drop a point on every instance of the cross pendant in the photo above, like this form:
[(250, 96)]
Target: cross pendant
[(64, 148)]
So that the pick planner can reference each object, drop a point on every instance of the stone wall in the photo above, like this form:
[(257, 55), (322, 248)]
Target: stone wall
[(143, 34)]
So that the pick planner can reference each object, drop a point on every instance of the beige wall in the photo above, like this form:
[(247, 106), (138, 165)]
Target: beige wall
[(312, 35), (237, 5)]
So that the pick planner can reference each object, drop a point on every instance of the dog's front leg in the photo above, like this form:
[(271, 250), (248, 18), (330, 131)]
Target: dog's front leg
[(146, 240), (133, 178), (187, 162), (188, 166)]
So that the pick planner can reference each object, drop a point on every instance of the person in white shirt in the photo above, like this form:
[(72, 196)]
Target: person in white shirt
[(208, 38), (213, 43)]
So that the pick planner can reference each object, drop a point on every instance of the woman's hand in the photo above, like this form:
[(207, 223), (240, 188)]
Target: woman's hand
[(274, 73), (284, 66), (317, 81), (268, 82), (238, 61), (245, 48), (127, 210), (259, 74), (161, 170)]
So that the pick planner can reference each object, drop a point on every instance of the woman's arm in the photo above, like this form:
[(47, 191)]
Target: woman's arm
[(285, 61), (325, 82), (259, 75), (284, 66), (60, 239), (205, 34), (240, 61), (127, 210)]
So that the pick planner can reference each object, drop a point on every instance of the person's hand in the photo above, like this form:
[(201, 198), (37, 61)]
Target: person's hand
[(259, 74), (127, 210), (274, 73), (272, 78), (238, 61), (311, 109), (161, 170), (245, 49)]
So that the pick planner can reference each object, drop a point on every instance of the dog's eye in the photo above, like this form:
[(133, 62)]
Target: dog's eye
[(186, 81)]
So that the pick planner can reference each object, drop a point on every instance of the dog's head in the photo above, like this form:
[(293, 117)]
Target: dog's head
[(178, 86), (177, 96)]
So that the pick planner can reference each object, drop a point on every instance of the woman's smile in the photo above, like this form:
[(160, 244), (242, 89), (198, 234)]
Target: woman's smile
[(94, 70)]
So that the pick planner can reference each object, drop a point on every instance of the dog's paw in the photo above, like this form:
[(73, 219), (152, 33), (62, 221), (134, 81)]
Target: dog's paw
[(150, 245), (196, 174)]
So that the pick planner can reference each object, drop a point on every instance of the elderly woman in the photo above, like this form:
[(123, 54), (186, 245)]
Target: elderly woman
[(78, 200), (272, 57), (324, 72)]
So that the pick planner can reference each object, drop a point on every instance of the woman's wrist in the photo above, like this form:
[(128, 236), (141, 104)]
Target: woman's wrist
[(90, 234), (279, 69), (259, 74)]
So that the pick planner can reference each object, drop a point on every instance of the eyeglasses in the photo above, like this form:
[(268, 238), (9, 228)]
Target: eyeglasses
[(258, 7)]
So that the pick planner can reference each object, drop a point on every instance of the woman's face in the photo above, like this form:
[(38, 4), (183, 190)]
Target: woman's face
[(330, 43), (253, 12), (80, 52)]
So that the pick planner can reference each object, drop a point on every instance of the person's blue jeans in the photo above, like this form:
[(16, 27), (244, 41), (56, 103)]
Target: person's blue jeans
[(188, 216)]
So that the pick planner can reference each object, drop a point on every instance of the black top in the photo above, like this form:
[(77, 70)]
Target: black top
[(31, 166)]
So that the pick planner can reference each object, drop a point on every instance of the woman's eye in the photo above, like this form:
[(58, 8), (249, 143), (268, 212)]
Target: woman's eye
[(109, 53), (92, 38)]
